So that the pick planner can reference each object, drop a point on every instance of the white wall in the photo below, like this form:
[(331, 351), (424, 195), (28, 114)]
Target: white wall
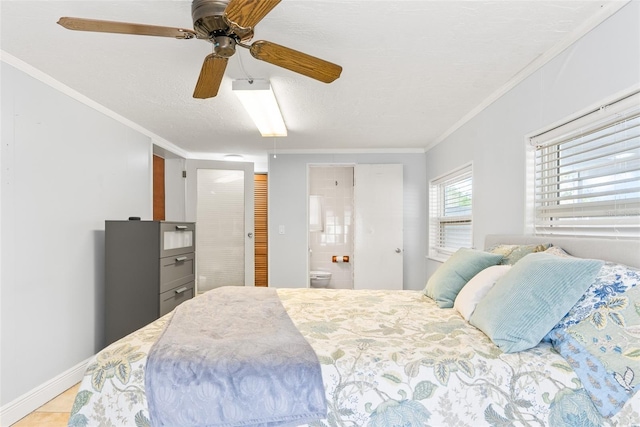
[(174, 189), (288, 207), (66, 168), (601, 64)]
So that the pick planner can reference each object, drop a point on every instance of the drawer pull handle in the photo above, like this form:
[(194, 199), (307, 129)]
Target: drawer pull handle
[(181, 290), (181, 227), (181, 258)]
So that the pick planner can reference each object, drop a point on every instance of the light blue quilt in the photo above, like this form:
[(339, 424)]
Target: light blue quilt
[(233, 366)]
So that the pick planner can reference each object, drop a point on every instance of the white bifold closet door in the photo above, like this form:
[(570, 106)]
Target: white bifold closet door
[(221, 204), (378, 255)]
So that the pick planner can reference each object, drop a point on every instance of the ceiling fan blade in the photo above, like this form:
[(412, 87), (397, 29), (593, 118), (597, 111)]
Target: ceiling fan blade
[(81, 24), (247, 13), (210, 77), (293, 60)]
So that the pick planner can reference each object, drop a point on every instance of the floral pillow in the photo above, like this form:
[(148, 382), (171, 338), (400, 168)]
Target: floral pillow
[(514, 253), (612, 280), (600, 338), (558, 251)]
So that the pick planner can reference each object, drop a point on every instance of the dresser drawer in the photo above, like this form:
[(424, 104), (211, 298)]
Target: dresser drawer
[(177, 270), (173, 298), (177, 238)]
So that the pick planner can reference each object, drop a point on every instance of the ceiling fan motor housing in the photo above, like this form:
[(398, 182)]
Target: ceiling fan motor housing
[(209, 22)]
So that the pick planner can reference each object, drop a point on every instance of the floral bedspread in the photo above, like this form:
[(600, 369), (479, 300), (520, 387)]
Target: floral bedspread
[(389, 358)]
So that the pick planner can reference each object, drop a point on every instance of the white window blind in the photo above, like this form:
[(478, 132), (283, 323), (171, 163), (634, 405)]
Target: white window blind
[(450, 213), (587, 174)]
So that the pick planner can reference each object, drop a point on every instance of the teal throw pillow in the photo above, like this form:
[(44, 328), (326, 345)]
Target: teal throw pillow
[(445, 283), (528, 301)]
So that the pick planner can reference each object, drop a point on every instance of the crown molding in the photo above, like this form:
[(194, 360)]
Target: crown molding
[(350, 151), (72, 93)]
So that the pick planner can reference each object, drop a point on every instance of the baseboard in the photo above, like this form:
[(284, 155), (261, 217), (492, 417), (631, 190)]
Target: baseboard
[(32, 400)]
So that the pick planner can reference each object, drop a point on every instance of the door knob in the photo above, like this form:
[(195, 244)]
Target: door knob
[(398, 250), (250, 235)]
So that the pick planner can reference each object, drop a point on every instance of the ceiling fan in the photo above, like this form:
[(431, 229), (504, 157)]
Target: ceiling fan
[(226, 24)]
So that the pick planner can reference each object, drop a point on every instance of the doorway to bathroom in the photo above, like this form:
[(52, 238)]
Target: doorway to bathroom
[(331, 232), (355, 215)]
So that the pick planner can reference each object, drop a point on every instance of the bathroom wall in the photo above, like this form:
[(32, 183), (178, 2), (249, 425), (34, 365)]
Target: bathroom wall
[(334, 185)]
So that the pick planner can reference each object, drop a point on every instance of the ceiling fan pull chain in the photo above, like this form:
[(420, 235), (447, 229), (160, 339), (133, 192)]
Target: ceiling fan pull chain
[(242, 67)]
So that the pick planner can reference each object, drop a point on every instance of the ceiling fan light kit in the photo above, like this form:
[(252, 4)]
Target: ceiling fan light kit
[(258, 99), (226, 24)]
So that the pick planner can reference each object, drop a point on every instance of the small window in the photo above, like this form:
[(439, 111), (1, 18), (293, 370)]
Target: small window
[(586, 180), (450, 213)]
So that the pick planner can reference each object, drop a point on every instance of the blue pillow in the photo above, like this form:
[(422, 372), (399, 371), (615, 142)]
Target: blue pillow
[(445, 283), (528, 301)]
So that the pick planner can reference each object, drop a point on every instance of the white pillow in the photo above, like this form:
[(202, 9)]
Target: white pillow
[(477, 288)]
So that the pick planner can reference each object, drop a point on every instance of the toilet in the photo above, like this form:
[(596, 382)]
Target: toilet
[(320, 279)]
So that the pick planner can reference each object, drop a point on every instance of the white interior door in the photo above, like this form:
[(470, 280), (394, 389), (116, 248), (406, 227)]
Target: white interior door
[(220, 199), (378, 226)]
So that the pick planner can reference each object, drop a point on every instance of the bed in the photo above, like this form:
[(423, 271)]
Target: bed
[(398, 358)]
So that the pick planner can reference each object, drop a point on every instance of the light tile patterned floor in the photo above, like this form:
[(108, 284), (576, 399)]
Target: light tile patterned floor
[(54, 413)]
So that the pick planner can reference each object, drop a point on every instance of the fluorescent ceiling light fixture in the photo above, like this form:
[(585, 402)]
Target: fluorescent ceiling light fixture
[(260, 102)]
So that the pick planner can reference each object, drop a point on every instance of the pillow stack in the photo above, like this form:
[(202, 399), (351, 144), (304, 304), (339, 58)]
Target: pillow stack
[(588, 310), (515, 304)]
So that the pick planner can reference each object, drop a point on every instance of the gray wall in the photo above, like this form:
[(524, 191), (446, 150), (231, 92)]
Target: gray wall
[(65, 169), (601, 64), (288, 207)]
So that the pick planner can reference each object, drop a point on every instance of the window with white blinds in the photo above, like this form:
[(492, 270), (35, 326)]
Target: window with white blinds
[(587, 174), (450, 213)]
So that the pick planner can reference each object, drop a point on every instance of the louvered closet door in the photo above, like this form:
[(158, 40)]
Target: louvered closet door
[(260, 226)]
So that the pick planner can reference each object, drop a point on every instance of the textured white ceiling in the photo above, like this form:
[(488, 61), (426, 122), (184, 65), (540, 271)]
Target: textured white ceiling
[(411, 69)]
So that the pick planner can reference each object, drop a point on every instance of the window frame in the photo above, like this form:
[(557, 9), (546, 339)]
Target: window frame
[(438, 220), (622, 220)]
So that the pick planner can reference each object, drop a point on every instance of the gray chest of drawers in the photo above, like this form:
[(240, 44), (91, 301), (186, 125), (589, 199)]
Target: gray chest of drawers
[(149, 270)]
